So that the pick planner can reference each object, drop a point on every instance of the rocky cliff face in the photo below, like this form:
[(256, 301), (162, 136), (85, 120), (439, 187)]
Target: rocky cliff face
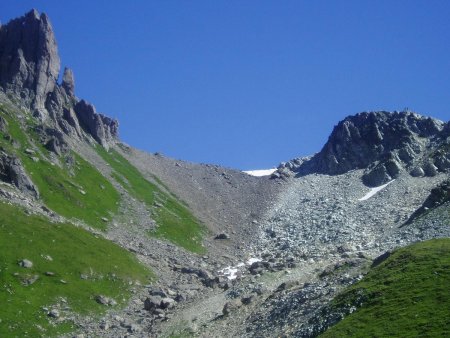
[(29, 61), (29, 69), (384, 144), (101, 127), (12, 171)]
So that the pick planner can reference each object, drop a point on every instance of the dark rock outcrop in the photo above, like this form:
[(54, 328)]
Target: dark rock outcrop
[(437, 197), (12, 171), (68, 82), (29, 61), (382, 143), (102, 128), (358, 141), (3, 124)]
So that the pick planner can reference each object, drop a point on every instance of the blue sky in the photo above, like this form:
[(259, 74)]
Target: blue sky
[(248, 84)]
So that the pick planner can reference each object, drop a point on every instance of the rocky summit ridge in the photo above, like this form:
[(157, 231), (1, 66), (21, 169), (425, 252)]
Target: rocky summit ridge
[(384, 144), (100, 239)]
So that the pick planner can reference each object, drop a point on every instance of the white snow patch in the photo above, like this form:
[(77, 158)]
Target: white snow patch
[(231, 272), (259, 173), (373, 191), (253, 260)]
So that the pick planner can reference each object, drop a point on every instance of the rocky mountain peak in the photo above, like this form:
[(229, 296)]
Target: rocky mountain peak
[(29, 60), (359, 140), (29, 70), (383, 143)]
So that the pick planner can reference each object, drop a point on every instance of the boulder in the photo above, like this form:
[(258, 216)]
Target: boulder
[(376, 176), (258, 267), (417, 172), (222, 236), (152, 303), (54, 313), (26, 263), (231, 306), (247, 299), (380, 259), (430, 169), (167, 303), (104, 300)]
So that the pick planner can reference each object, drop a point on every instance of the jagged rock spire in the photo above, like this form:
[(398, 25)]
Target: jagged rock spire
[(68, 82), (29, 60), (29, 69)]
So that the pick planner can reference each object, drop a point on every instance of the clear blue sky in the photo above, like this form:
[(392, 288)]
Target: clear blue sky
[(248, 84)]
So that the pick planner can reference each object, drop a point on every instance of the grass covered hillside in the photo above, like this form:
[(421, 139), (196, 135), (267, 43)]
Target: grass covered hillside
[(174, 220), (72, 187), (407, 295), (70, 269)]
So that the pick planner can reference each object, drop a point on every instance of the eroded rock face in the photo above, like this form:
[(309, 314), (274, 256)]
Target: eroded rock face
[(384, 144), (438, 196), (29, 60), (101, 127), (358, 141), (12, 171), (68, 82)]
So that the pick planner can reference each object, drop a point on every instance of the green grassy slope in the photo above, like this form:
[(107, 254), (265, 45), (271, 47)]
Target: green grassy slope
[(175, 222), (74, 191), (408, 295), (107, 269)]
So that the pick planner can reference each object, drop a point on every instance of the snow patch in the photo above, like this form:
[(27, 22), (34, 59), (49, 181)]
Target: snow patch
[(259, 173), (231, 272), (253, 260), (373, 191)]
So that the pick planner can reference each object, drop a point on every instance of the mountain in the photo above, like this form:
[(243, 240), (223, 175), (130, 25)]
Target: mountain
[(384, 144), (101, 239)]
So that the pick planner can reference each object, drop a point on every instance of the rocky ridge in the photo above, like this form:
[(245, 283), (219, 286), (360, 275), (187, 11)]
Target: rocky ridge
[(384, 144)]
